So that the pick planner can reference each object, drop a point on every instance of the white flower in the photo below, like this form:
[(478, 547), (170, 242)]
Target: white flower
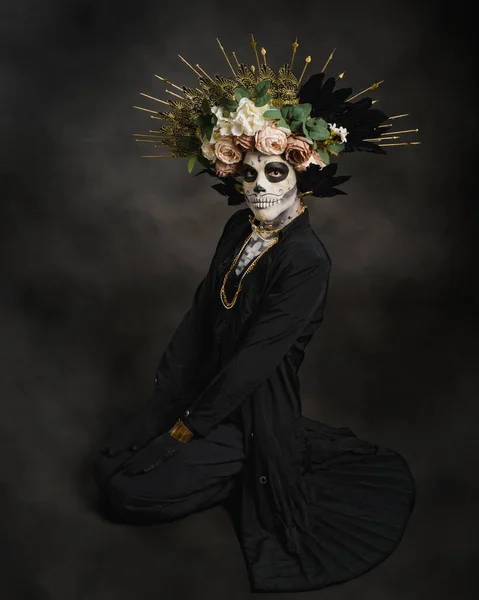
[(208, 150), (342, 132), (248, 118), (223, 124)]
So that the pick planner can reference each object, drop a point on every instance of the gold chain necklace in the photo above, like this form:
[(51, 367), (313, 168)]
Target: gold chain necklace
[(255, 228), (223, 296)]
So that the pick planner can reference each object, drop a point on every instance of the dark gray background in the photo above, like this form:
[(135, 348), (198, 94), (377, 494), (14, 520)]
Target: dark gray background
[(102, 251)]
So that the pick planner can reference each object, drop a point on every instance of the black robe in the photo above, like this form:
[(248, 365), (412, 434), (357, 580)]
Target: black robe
[(317, 505)]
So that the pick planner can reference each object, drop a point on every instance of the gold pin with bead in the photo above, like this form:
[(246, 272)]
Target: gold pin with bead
[(156, 99), (374, 86), (401, 144), (146, 109), (254, 44), (263, 52), (404, 131), (328, 61), (307, 60), (380, 139), (226, 57), (169, 82), (294, 48)]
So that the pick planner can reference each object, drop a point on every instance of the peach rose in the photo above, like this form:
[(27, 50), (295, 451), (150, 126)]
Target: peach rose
[(226, 151), (271, 140), (244, 142), (224, 169), (298, 150), (314, 159)]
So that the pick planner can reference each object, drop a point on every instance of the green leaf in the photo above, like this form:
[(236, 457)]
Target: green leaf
[(282, 123), (337, 148), (241, 92), (318, 129), (287, 111), (228, 104), (191, 162), (205, 105), (262, 100), (208, 131), (305, 131), (320, 135), (301, 111), (296, 126), (324, 155), (261, 88), (272, 113)]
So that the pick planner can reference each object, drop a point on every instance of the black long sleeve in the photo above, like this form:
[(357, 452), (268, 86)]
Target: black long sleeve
[(297, 296)]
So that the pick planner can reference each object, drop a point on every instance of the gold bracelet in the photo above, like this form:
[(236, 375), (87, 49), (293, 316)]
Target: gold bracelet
[(181, 432)]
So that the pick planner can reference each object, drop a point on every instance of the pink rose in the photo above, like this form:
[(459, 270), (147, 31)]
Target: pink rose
[(226, 151), (271, 140), (298, 149), (244, 142), (314, 159), (224, 169)]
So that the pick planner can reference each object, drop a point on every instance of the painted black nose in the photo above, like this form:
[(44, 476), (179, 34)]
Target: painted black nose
[(258, 188)]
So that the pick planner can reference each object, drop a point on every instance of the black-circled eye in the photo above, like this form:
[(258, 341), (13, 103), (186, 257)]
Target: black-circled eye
[(276, 171), (249, 173)]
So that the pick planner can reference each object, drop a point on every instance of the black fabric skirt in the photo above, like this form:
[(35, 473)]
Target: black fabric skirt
[(357, 498)]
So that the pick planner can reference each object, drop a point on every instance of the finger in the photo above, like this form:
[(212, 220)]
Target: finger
[(143, 467)]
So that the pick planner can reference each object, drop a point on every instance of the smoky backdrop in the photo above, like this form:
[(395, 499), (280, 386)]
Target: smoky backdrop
[(102, 251)]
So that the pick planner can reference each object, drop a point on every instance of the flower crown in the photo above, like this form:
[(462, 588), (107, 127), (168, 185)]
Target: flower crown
[(216, 123)]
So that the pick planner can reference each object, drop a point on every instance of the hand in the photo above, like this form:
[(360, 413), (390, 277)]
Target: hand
[(157, 451), (133, 434)]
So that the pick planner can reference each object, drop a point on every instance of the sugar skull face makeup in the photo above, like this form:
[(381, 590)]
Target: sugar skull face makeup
[(269, 184)]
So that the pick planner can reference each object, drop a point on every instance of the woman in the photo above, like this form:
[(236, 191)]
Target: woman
[(312, 504)]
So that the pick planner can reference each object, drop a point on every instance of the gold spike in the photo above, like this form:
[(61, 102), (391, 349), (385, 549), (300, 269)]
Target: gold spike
[(173, 94), (237, 61), (148, 141), (159, 118), (159, 156), (374, 101), (399, 116), (380, 139), (187, 63), (226, 57), (295, 47), (341, 75), (146, 109), (254, 44), (147, 135), (386, 125), (253, 68), (156, 131), (169, 82), (204, 73), (157, 99), (263, 52), (307, 60), (371, 87), (405, 131), (401, 144), (328, 61)]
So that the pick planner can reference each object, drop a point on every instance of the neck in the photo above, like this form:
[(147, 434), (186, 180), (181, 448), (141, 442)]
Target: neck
[(283, 218)]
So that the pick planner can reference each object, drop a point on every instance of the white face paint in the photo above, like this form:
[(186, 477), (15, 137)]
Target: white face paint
[(269, 184)]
